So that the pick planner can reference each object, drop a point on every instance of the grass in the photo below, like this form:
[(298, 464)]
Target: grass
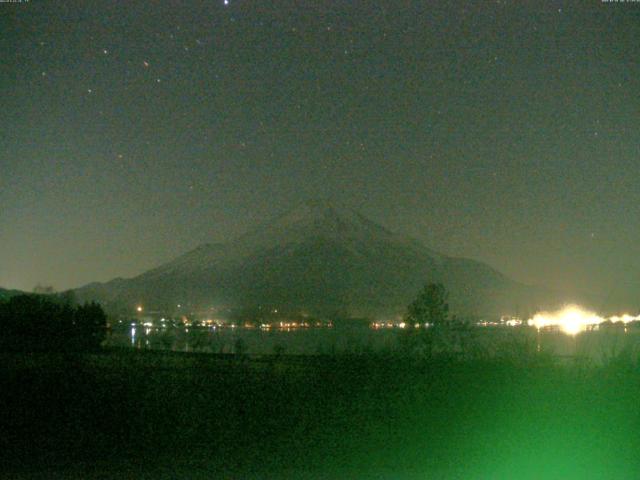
[(128, 414)]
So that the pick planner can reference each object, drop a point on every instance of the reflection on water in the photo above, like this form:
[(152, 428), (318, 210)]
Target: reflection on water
[(310, 341), (597, 345)]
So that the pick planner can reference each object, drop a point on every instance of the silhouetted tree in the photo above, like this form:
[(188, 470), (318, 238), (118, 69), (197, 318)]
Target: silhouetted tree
[(430, 306), (89, 326)]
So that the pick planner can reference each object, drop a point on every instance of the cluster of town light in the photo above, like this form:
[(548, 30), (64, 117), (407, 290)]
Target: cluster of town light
[(573, 319)]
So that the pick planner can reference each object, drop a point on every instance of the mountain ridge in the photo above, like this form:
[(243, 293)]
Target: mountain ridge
[(319, 257)]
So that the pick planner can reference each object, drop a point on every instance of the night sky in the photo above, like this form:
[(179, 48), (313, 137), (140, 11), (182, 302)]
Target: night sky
[(508, 132)]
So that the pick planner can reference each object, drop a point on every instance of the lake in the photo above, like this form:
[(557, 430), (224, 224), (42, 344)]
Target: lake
[(597, 345)]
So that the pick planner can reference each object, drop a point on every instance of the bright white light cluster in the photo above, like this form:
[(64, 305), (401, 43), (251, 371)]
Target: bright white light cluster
[(573, 319), (624, 318)]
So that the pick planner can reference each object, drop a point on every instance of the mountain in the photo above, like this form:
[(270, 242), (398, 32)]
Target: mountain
[(321, 258)]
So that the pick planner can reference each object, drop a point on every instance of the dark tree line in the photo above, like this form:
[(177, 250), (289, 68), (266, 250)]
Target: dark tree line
[(50, 323)]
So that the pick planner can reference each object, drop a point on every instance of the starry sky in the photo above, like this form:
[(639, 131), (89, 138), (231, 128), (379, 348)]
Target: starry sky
[(508, 132)]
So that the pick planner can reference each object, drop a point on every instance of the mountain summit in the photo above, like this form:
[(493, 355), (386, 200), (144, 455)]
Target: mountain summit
[(320, 257), (317, 220)]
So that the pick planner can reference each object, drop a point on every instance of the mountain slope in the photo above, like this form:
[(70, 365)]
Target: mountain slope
[(322, 258)]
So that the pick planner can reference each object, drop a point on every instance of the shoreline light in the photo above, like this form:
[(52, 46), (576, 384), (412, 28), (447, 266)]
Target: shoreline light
[(573, 319)]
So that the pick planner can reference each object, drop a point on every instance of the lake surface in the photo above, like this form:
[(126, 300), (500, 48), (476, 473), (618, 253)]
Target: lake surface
[(598, 345), (301, 341)]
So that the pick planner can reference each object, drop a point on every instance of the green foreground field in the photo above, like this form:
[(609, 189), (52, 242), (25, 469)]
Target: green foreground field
[(127, 414)]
